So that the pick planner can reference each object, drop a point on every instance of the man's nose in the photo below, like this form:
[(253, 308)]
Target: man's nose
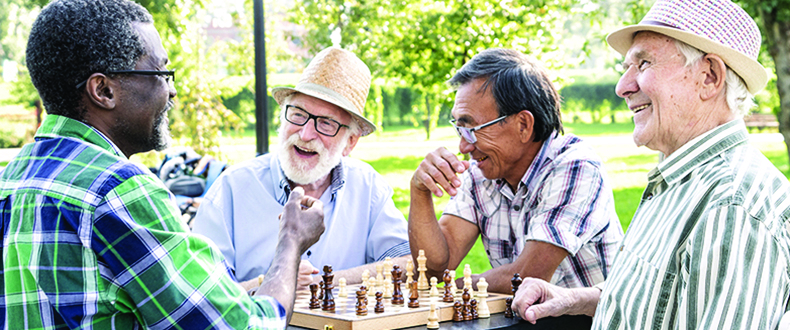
[(627, 84), (465, 147), (308, 132)]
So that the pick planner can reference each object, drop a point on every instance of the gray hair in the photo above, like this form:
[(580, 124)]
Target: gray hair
[(739, 100), (72, 39)]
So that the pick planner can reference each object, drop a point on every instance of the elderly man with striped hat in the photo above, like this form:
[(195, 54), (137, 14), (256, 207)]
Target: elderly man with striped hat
[(320, 123), (708, 247)]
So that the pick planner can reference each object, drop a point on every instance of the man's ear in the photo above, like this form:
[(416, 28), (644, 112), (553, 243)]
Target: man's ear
[(101, 91), (525, 123), (715, 72), (352, 142)]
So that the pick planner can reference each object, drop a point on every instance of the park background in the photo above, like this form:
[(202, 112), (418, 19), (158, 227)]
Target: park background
[(412, 47)]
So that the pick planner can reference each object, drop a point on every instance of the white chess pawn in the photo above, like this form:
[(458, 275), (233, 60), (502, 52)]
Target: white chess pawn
[(482, 295), (342, 287), (434, 289), (409, 270), (422, 280), (365, 276), (433, 317), (371, 287)]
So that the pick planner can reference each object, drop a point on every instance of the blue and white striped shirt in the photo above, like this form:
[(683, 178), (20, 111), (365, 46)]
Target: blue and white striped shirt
[(708, 247)]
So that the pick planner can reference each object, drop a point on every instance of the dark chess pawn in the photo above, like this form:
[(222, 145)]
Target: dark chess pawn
[(314, 301), (397, 293), (457, 316), (362, 301), (509, 308), (473, 306), (379, 304), (328, 303), (414, 297), (467, 310), (515, 283), (448, 287)]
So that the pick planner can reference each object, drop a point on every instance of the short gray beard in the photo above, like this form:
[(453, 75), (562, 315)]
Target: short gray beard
[(297, 171)]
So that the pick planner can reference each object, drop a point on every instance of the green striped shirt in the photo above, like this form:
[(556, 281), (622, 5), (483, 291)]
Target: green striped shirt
[(93, 241), (708, 247)]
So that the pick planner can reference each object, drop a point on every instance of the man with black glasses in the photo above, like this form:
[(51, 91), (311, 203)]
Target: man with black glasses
[(320, 123), (540, 200), (94, 241)]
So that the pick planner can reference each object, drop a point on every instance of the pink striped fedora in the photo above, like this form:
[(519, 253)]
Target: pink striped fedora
[(713, 26)]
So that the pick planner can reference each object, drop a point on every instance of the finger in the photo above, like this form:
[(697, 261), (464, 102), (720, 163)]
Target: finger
[(296, 195), (308, 201), (457, 165), (424, 179), (529, 293)]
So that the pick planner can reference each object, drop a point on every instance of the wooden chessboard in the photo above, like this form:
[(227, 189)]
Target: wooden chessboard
[(394, 316)]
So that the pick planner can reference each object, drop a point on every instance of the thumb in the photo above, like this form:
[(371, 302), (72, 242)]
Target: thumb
[(296, 195)]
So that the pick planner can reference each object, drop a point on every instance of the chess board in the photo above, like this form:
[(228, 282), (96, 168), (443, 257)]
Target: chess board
[(394, 316)]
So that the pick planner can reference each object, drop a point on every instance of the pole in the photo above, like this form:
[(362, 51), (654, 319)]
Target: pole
[(261, 95)]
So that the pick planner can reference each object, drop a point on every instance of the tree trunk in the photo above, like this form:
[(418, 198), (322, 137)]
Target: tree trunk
[(428, 117), (778, 38)]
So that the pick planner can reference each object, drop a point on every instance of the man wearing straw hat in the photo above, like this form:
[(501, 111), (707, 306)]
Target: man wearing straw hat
[(321, 122), (708, 246)]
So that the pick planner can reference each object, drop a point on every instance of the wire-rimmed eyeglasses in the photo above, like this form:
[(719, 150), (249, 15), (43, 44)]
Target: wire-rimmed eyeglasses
[(468, 133), (324, 125), (169, 76)]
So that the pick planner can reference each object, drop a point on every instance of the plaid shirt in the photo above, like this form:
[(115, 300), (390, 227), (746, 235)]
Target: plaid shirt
[(562, 199), (91, 240)]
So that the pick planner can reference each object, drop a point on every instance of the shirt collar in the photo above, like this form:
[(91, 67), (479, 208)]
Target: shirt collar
[(529, 179), (700, 150), (55, 126)]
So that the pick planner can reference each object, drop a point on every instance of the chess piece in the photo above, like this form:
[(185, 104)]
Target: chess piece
[(314, 301), (422, 281), (448, 287), (379, 305), (467, 311), (414, 296), (397, 294), (457, 315), (409, 270), (482, 293), (508, 307), (515, 283), (473, 307), (468, 279), (372, 286), (362, 301), (433, 317), (387, 284), (456, 292), (379, 277), (365, 276), (321, 287), (434, 289), (342, 287), (328, 301)]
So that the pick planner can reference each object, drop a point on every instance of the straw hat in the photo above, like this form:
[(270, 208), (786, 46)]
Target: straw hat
[(339, 77), (713, 26)]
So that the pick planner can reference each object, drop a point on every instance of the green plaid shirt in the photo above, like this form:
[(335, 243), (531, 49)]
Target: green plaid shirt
[(708, 247), (91, 240)]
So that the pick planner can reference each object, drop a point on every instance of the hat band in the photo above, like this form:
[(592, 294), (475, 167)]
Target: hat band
[(340, 100), (657, 23)]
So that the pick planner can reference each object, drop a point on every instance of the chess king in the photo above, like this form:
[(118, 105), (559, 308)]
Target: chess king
[(539, 199), (320, 123)]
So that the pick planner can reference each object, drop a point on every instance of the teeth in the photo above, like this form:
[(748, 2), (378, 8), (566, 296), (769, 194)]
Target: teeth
[(482, 159), (640, 108), (305, 150)]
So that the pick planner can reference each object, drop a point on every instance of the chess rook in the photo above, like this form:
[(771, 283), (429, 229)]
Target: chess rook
[(314, 301)]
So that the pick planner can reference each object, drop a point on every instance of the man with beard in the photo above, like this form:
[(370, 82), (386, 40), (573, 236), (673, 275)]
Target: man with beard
[(93, 241), (708, 247), (320, 123)]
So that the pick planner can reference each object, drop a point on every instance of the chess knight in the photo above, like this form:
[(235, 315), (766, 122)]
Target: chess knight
[(321, 122), (539, 199)]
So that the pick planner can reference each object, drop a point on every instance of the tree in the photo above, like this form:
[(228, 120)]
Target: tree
[(773, 17), (421, 43)]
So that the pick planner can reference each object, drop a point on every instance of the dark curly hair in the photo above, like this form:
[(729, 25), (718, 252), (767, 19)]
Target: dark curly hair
[(72, 39), (517, 83)]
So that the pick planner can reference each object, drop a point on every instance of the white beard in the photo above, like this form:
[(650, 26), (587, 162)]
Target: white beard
[(298, 170)]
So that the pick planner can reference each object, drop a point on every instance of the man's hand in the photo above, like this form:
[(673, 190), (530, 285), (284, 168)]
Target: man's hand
[(302, 220), (439, 169), (537, 299), (306, 272)]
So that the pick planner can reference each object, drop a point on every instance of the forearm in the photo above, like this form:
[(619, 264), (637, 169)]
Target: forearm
[(354, 275), (280, 280), (425, 233)]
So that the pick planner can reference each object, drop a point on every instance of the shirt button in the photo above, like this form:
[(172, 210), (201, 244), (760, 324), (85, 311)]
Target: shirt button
[(517, 208), (649, 196)]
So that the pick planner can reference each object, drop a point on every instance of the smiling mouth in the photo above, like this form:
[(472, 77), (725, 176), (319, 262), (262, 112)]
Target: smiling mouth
[(482, 159), (304, 152), (640, 108)]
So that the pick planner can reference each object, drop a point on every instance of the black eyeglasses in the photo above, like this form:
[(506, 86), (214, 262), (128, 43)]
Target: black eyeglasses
[(324, 125), (169, 76)]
